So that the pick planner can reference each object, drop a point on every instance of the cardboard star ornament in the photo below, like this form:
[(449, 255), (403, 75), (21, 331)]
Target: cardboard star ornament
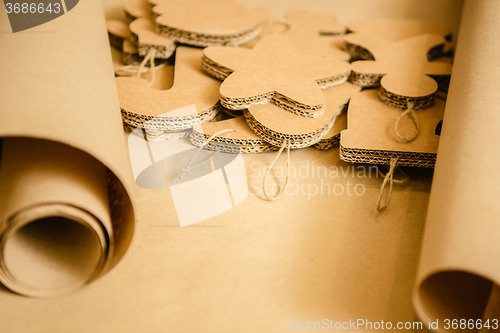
[(207, 23), (193, 98), (274, 71), (317, 33), (401, 68)]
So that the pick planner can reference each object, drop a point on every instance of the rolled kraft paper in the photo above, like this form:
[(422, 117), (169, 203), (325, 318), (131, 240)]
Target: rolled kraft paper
[(459, 270), (66, 214), (55, 217)]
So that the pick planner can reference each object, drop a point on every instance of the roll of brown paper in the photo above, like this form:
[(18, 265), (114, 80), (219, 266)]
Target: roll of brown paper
[(459, 268), (66, 214)]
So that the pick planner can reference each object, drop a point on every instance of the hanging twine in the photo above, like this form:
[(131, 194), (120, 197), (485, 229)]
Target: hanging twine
[(410, 113), (286, 144), (188, 168), (389, 179), (150, 57), (138, 70)]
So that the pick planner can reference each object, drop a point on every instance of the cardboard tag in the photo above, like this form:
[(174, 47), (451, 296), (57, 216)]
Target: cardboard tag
[(332, 137), (274, 71), (240, 140), (401, 68), (140, 103), (144, 36), (370, 136), (209, 23), (278, 126), (317, 33)]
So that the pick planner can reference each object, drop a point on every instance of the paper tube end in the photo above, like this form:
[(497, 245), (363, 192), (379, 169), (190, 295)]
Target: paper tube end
[(52, 255)]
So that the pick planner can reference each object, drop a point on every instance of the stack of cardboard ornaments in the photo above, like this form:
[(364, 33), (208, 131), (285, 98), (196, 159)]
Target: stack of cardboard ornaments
[(253, 89)]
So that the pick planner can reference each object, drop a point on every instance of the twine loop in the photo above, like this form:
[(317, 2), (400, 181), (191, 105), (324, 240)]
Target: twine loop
[(389, 179), (269, 197), (410, 113), (188, 168)]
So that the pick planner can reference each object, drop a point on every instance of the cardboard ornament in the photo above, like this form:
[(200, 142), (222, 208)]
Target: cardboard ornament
[(118, 32), (280, 127), (120, 38), (317, 33), (144, 36), (401, 68), (371, 135), (269, 27), (397, 29), (209, 23), (229, 136), (274, 71), (332, 137), (193, 98), (135, 9)]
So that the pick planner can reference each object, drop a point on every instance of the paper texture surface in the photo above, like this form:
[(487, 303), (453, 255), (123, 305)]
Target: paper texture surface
[(321, 251), (461, 248), (58, 86)]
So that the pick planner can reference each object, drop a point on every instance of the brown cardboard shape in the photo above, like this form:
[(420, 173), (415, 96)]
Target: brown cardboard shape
[(370, 136), (332, 137), (280, 127), (396, 29), (316, 33), (130, 54), (144, 36), (274, 71), (69, 100), (269, 27), (135, 9), (460, 251), (160, 110), (240, 139), (118, 32), (401, 68), (220, 22)]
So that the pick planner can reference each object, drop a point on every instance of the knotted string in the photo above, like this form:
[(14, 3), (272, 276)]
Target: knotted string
[(410, 113), (188, 168), (286, 144), (389, 179)]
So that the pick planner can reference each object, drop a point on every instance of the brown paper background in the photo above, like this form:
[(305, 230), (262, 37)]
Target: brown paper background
[(256, 267)]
